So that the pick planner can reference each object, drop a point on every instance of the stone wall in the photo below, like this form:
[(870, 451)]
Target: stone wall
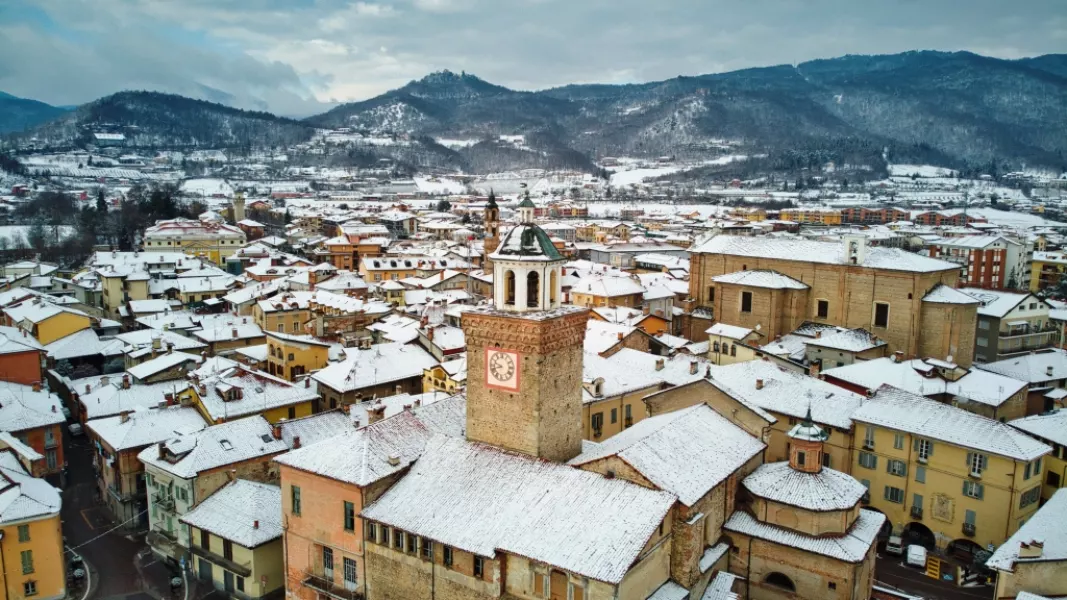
[(544, 418)]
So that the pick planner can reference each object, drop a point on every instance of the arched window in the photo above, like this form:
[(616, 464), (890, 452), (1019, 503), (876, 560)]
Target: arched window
[(533, 289), (779, 580), (271, 349), (509, 287), (553, 283)]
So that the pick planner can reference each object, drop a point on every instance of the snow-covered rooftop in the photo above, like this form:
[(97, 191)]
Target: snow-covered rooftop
[(247, 513), (911, 375), (761, 279), (23, 496), (827, 490), (897, 409), (849, 340), (1046, 526), (146, 427), (1050, 427), (834, 253), (224, 444), (686, 452), (482, 499), (21, 408), (852, 547), (943, 294), (1034, 368)]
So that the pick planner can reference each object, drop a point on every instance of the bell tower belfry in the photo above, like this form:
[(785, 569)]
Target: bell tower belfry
[(491, 219), (524, 353), (238, 207)]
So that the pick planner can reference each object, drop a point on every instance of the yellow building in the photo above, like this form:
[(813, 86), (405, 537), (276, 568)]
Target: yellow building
[(45, 321), (120, 287), (239, 392), (236, 539), (284, 313), (1034, 559), (944, 476), (820, 216), (1051, 429), (728, 344), (213, 241), (31, 541), (449, 377), (290, 356), (1046, 270)]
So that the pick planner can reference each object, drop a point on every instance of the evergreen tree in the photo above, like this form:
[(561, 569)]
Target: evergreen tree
[(444, 206), (101, 202)]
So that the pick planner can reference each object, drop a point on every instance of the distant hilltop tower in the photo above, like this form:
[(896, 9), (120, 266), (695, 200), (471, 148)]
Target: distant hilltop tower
[(239, 207)]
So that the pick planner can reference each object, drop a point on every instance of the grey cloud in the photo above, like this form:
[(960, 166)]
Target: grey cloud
[(269, 50)]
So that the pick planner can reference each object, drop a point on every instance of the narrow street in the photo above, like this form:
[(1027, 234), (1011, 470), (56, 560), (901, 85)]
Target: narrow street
[(892, 571)]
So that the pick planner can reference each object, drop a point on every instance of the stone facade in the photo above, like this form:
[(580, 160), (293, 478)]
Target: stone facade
[(544, 418)]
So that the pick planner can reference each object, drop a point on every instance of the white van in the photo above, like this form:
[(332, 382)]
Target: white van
[(916, 556), (894, 545)]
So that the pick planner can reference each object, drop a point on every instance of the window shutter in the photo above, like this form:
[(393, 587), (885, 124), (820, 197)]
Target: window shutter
[(915, 444), (980, 489), (886, 492), (984, 459), (965, 487), (929, 448), (970, 459)]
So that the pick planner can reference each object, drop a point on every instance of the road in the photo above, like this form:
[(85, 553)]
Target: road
[(890, 570)]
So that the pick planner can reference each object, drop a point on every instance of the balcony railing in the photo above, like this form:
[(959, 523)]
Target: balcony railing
[(1022, 332), (917, 513), (968, 529), (317, 581), (117, 494), (163, 501)]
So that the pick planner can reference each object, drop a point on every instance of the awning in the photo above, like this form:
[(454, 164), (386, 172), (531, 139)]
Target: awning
[(1018, 323)]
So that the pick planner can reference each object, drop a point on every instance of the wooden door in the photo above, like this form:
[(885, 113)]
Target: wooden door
[(559, 585)]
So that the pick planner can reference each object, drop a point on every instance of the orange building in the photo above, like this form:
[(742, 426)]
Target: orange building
[(20, 357), (33, 416)]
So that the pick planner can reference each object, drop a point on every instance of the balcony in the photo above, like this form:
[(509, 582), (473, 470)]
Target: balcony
[(917, 513), (968, 529), (163, 501), (866, 498), (117, 494), (242, 569), (316, 580)]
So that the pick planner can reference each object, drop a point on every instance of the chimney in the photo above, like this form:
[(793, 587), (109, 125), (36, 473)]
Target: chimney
[(375, 413), (157, 342), (170, 347), (659, 364), (231, 475), (307, 382), (417, 403), (233, 332), (124, 416), (407, 408), (1031, 549), (88, 389), (356, 423), (394, 460), (399, 389), (125, 381), (53, 408), (898, 356), (37, 385), (168, 397), (255, 524), (296, 442), (759, 384), (620, 336), (694, 367), (818, 334), (645, 309), (276, 431), (1048, 371)]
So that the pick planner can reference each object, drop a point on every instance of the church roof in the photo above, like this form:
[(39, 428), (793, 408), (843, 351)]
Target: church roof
[(526, 242), (526, 203), (827, 490)]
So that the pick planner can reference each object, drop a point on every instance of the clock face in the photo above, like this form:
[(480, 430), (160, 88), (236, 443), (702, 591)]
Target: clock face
[(502, 369)]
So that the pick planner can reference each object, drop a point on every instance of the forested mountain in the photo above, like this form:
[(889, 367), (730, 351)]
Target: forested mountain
[(153, 119), (17, 114), (957, 106), (952, 108)]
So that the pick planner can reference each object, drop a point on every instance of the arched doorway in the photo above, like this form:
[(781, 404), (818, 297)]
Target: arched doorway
[(780, 581), (533, 289), (965, 549), (917, 533), (509, 287)]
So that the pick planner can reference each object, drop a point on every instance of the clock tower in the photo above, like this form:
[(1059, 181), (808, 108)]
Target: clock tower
[(524, 353)]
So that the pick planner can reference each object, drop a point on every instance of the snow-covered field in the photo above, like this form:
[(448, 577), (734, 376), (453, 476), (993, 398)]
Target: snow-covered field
[(9, 233), (1013, 219), (207, 186), (920, 170), (639, 174), (440, 185), (455, 144)]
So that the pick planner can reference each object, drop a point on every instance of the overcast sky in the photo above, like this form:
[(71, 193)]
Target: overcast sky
[(289, 55)]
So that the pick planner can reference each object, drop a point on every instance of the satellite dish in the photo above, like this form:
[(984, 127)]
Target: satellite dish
[(948, 358), (758, 327)]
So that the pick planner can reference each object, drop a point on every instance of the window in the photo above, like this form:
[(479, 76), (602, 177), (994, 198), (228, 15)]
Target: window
[(1030, 496), (350, 521), (1026, 471), (240, 583), (29, 588), (917, 501), (372, 528), (746, 302), (447, 551), (385, 536), (205, 540), (733, 350), (898, 441), (281, 327), (868, 460), (822, 308), (715, 347), (327, 562), (597, 422), (24, 533), (831, 585), (920, 474), (427, 549), (868, 437), (977, 462), (970, 518), (614, 415), (983, 324), (981, 342), (711, 294), (398, 539), (881, 314), (801, 458), (412, 544), (779, 580), (292, 412), (1052, 479), (479, 567), (896, 467), (893, 494), (925, 448), (349, 573), (227, 549), (825, 460), (27, 562), (973, 489), (294, 492)]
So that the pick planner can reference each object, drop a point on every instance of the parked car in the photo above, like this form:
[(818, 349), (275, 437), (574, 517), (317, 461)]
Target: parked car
[(894, 545), (916, 556)]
